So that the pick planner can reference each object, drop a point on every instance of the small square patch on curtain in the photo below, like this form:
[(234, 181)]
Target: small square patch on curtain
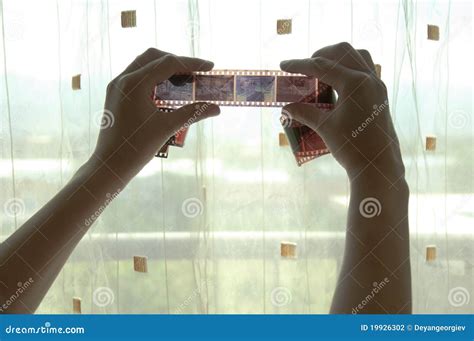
[(378, 70), (140, 264), (76, 82), (76, 305), (433, 32), (283, 140), (284, 26), (129, 19), (430, 253), (430, 143), (288, 250)]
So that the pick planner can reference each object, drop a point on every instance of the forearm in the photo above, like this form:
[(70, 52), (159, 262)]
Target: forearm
[(37, 251), (378, 215), (376, 264), (360, 134)]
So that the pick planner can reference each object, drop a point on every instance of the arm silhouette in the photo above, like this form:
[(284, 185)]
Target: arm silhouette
[(375, 273), (38, 250)]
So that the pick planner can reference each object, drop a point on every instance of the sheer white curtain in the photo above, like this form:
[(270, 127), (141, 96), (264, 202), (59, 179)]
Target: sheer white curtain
[(248, 191)]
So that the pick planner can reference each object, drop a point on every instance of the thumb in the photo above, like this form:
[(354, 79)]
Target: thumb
[(307, 114), (192, 113)]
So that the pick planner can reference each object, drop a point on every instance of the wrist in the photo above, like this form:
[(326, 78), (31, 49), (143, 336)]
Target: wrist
[(386, 168), (373, 182), (100, 176)]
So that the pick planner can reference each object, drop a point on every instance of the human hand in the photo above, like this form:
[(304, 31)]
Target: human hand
[(359, 131), (132, 128)]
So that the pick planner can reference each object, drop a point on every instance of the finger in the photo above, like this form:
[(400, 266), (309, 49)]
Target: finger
[(180, 80), (143, 59), (345, 54), (191, 113), (367, 58), (327, 71), (307, 114), (161, 69)]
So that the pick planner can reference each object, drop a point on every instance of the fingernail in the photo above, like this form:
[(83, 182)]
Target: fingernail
[(212, 109), (216, 110)]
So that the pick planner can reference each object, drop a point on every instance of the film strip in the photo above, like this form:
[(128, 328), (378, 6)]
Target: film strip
[(305, 143), (250, 88), (177, 140)]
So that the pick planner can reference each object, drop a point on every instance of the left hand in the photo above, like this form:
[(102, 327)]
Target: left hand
[(132, 128)]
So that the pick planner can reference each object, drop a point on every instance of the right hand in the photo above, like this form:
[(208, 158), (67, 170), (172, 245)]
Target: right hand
[(359, 131)]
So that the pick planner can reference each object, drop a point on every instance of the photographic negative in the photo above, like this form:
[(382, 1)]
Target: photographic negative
[(325, 94), (255, 88), (214, 88), (177, 88), (305, 143), (296, 89)]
